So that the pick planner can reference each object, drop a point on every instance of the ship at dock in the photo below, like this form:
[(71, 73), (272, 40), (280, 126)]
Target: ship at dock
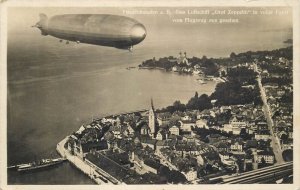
[(44, 163)]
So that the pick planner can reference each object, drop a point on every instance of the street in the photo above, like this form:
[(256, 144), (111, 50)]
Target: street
[(275, 144)]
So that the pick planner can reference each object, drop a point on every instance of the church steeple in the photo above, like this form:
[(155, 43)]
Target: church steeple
[(152, 120), (152, 107)]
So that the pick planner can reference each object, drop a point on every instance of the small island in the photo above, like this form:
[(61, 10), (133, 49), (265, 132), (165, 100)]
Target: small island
[(246, 124)]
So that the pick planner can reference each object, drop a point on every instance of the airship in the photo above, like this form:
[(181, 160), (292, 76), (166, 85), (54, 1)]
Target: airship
[(98, 29)]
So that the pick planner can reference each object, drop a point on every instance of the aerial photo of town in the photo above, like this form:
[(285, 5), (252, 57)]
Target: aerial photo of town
[(246, 125)]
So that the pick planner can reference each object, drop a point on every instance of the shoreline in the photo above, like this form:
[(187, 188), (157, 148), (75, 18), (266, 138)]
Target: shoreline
[(92, 171), (217, 79), (151, 68)]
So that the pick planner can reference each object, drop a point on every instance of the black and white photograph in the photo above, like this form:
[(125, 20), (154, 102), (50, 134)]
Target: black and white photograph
[(149, 94)]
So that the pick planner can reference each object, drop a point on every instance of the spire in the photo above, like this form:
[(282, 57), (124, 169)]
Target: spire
[(152, 103)]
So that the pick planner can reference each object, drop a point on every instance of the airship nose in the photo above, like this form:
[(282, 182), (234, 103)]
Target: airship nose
[(137, 33)]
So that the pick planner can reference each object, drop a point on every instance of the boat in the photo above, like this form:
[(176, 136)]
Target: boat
[(196, 72), (40, 164), (201, 81), (128, 68)]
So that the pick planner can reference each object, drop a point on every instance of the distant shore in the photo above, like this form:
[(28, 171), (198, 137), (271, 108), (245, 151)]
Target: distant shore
[(159, 68)]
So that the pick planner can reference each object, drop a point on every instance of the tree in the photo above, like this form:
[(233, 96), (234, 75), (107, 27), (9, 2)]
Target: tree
[(287, 155), (232, 55), (208, 168), (284, 137), (176, 177), (223, 74), (174, 121), (199, 103), (178, 106), (263, 162), (244, 135), (164, 171)]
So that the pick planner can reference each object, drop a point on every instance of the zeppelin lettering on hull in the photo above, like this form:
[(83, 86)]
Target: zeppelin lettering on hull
[(98, 29)]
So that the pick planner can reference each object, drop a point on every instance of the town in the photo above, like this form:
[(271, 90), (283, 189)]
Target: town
[(245, 125)]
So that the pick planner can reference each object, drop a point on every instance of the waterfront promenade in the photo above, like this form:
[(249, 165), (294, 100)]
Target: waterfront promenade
[(96, 174)]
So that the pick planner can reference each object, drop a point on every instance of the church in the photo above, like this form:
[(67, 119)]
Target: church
[(150, 129), (152, 121), (182, 59)]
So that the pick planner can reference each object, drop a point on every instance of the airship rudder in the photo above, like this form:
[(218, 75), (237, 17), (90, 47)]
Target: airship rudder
[(42, 24)]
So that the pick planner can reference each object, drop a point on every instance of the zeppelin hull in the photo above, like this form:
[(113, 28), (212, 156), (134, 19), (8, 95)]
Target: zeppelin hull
[(106, 30)]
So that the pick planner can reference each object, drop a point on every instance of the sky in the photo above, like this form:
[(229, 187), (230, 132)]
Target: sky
[(252, 32)]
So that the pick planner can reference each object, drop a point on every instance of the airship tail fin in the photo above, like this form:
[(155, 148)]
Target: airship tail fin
[(43, 19), (43, 24)]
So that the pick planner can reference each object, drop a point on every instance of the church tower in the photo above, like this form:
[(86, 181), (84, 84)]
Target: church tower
[(152, 119)]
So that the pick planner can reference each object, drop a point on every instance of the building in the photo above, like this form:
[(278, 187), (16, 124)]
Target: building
[(152, 119), (182, 59), (234, 129), (237, 145), (161, 135), (186, 125), (164, 144), (190, 175), (82, 149), (262, 135), (262, 125), (287, 144), (151, 165), (224, 155), (188, 138), (229, 162), (174, 130), (148, 142), (130, 129), (200, 160), (225, 109), (186, 118), (268, 156), (238, 121), (210, 157), (202, 123), (116, 130), (163, 119), (145, 130), (222, 146)]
